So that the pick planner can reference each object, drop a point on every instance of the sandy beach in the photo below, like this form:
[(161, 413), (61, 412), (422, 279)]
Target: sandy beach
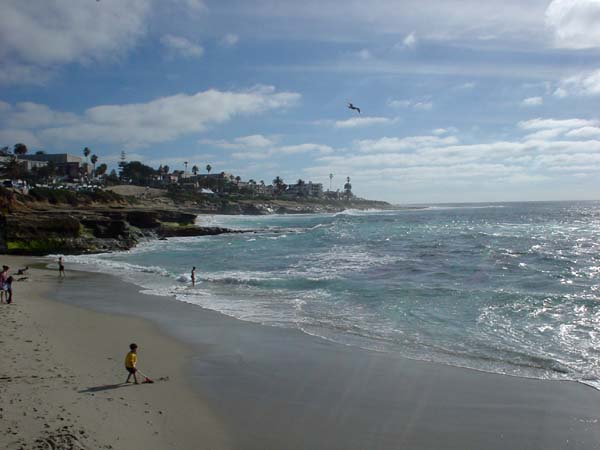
[(224, 383), (62, 378)]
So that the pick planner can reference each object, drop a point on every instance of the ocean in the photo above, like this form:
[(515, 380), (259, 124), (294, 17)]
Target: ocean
[(511, 288)]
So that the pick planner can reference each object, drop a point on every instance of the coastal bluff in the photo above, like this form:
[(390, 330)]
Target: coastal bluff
[(87, 224), (46, 221)]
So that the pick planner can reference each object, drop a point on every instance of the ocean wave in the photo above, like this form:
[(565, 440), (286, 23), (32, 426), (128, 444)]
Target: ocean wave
[(450, 207)]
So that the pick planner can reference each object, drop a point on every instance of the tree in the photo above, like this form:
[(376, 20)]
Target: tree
[(94, 160), (208, 168), (102, 168), (4, 151), (238, 179), (279, 185), (40, 152), (137, 172), (348, 188), (166, 169), (86, 152), (44, 173), (20, 149), (12, 168), (195, 170), (185, 165), (112, 178)]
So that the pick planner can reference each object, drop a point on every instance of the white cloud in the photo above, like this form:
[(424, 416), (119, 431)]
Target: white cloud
[(541, 124), (444, 161), (447, 19), (560, 93), (10, 137), (365, 121), (410, 41), (532, 101), (423, 105), (584, 132), (140, 124), (180, 46), (36, 39), (229, 40), (284, 151), (31, 115), (574, 23), (394, 144), (585, 84), (252, 141), (544, 135), (441, 131)]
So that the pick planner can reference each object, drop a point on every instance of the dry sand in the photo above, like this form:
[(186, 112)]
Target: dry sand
[(62, 379)]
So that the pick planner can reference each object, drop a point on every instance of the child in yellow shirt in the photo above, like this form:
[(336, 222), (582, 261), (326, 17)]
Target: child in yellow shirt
[(131, 363)]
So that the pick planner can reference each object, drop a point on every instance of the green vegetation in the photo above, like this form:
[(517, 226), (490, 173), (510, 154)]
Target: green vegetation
[(35, 246), (75, 198)]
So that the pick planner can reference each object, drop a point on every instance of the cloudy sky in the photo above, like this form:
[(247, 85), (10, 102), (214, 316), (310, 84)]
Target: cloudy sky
[(462, 100)]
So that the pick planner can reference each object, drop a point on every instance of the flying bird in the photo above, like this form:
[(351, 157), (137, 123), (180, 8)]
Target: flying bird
[(351, 106)]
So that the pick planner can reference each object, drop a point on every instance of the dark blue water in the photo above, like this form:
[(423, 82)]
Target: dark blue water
[(510, 288)]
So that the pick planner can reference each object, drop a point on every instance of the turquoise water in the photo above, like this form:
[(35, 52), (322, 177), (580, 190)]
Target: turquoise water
[(509, 288)]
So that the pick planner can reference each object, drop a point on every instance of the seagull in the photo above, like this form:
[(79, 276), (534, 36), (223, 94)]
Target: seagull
[(351, 106)]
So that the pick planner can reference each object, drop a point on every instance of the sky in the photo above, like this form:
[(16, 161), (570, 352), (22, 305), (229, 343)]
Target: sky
[(461, 100)]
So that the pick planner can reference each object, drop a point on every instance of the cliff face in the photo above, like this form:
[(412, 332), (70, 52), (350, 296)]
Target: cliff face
[(2, 234), (76, 232), (56, 221)]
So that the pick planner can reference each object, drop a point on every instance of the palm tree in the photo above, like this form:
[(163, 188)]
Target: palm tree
[(94, 160), (166, 169), (185, 163), (20, 149), (330, 178), (102, 168), (195, 170), (238, 179), (278, 184), (208, 168), (86, 152)]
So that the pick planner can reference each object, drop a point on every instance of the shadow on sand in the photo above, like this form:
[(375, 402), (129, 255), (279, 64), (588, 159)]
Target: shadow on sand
[(106, 387)]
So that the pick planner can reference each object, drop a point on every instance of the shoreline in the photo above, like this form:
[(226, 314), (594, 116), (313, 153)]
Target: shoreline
[(282, 388), (61, 380)]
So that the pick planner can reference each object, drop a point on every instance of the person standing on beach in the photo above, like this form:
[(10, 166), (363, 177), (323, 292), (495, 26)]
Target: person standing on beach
[(4, 284), (131, 363), (8, 284), (61, 267), (194, 276)]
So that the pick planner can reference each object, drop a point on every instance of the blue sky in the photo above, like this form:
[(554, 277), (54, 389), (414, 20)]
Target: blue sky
[(461, 100)]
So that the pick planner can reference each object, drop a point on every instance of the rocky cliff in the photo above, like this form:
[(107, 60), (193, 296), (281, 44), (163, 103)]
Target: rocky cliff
[(76, 232)]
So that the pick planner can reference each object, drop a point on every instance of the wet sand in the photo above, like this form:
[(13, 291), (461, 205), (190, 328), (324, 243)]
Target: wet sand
[(259, 387)]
